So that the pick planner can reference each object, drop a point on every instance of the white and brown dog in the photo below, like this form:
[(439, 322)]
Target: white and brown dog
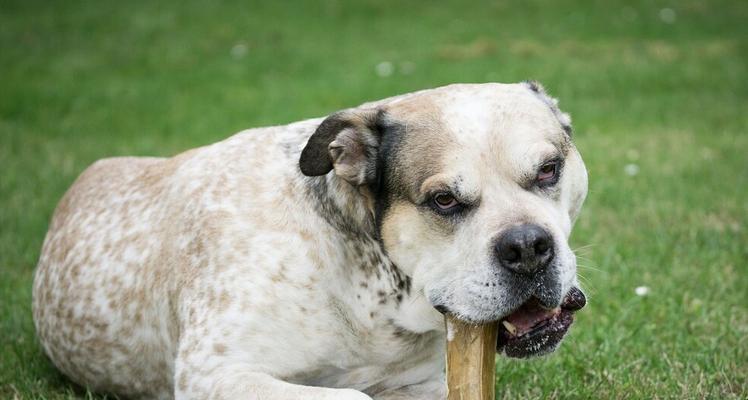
[(315, 260)]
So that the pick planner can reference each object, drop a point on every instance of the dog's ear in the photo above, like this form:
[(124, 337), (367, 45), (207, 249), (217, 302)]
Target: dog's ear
[(347, 142), (563, 118)]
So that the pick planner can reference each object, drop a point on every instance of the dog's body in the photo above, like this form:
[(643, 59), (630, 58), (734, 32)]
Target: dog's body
[(226, 273)]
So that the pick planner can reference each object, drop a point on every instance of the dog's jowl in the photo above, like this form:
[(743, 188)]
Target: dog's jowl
[(316, 260)]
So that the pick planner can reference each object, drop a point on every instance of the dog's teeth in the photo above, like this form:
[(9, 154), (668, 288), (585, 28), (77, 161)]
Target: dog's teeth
[(509, 327)]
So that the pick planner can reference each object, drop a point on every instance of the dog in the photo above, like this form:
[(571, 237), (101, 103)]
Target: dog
[(316, 260)]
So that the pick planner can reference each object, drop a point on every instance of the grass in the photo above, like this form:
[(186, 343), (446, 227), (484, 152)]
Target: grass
[(656, 87)]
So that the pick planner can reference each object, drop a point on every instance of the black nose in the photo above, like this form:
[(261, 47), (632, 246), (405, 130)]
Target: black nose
[(525, 249)]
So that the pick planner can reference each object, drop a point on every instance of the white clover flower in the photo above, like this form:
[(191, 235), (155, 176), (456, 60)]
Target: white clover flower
[(667, 15), (384, 68), (239, 50), (641, 291), (631, 169)]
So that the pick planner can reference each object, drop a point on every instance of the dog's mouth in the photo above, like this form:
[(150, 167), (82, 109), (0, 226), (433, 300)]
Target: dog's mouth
[(533, 330)]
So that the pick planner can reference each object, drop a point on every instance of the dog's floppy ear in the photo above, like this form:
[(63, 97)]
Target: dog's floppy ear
[(346, 141)]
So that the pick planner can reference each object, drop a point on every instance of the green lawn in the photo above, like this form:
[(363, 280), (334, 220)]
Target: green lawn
[(658, 91)]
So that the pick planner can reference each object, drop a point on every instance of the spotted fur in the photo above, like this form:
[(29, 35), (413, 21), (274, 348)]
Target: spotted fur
[(225, 272)]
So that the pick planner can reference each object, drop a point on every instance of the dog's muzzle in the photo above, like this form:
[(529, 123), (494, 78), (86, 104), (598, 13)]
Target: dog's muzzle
[(533, 330)]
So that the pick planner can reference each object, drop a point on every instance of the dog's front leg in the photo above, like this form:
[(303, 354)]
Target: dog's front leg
[(431, 390), (234, 382)]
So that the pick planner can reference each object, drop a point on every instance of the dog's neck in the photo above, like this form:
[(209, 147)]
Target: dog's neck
[(350, 210)]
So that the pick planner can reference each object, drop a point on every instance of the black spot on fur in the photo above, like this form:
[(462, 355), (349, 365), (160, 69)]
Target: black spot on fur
[(392, 136), (442, 309), (289, 149), (401, 281), (533, 85)]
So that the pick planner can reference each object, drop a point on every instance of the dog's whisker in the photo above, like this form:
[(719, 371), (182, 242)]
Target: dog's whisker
[(586, 246), (590, 268)]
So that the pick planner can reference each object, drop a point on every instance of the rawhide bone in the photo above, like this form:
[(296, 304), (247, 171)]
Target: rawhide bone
[(471, 353)]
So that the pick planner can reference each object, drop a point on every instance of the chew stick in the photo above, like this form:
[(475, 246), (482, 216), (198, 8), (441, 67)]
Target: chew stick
[(471, 352)]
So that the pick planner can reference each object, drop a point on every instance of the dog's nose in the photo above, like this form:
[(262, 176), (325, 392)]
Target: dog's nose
[(525, 249)]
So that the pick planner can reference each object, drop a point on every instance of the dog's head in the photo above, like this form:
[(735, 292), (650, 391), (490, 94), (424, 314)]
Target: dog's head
[(474, 190)]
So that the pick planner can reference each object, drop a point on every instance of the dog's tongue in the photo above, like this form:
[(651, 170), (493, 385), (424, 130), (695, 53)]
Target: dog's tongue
[(527, 317)]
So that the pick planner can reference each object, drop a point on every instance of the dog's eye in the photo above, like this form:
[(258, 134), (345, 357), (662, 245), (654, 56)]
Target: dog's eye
[(548, 173), (445, 201)]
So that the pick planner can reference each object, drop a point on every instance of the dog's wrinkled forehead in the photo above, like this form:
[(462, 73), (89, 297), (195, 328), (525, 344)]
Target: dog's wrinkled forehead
[(458, 124)]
